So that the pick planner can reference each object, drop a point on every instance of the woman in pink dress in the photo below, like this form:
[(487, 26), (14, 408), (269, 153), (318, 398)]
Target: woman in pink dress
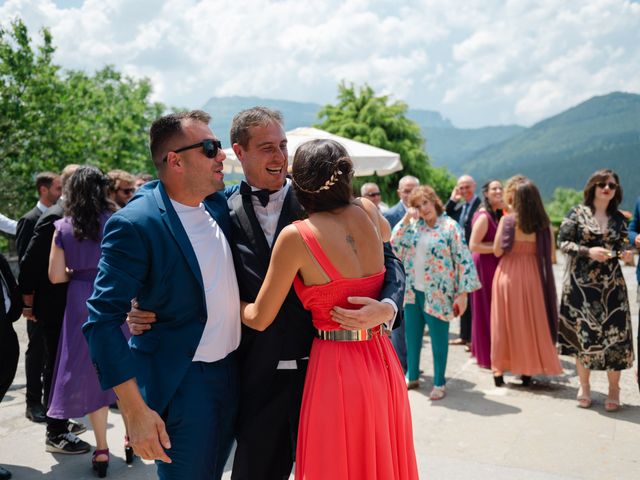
[(483, 231), (355, 421)]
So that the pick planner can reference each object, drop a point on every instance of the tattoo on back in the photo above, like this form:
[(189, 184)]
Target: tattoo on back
[(352, 243)]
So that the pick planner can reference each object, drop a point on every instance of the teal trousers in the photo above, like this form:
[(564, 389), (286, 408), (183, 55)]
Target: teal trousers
[(415, 319)]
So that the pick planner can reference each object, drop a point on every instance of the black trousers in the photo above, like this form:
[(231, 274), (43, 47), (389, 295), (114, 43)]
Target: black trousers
[(34, 363), (465, 322), (9, 353), (50, 330), (266, 439)]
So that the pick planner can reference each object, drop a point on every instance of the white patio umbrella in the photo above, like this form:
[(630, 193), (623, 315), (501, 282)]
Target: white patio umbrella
[(367, 159)]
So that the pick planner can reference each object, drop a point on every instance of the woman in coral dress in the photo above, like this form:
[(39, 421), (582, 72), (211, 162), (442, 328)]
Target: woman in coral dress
[(523, 310), (483, 232), (355, 421)]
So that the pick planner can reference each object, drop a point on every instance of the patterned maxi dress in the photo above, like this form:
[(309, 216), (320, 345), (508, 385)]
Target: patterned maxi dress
[(595, 320)]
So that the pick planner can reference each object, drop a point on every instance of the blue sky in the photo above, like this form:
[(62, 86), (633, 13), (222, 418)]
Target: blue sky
[(481, 62)]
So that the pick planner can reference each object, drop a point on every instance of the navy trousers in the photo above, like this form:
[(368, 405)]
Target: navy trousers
[(200, 421), (398, 339)]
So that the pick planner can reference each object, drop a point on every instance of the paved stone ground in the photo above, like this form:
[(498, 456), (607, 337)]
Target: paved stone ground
[(477, 432)]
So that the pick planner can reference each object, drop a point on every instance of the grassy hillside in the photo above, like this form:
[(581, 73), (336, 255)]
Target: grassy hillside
[(603, 132), (455, 147)]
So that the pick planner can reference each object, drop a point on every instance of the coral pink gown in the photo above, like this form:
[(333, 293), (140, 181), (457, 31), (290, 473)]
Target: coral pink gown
[(355, 421)]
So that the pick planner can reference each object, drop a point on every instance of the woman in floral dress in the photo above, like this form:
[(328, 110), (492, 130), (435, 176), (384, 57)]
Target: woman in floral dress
[(595, 320), (440, 274)]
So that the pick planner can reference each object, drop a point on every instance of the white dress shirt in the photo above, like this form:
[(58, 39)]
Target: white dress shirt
[(268, 216), (8, 225)]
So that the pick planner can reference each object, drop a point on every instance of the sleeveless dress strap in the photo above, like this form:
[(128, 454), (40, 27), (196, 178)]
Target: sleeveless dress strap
[(316, 250)]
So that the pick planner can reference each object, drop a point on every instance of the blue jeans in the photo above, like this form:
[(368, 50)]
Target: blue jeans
[(200, 421)]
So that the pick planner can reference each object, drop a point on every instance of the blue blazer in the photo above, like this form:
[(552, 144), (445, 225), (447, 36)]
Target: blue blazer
[(634, 230), (147, 255), (395, 214)]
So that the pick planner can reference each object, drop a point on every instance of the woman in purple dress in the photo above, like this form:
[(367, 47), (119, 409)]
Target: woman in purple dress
[(484, 226), (75, 252)]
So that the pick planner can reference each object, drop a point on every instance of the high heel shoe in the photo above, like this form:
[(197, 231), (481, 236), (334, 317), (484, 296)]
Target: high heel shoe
[(128, 451), (498, 380), (100, 467)]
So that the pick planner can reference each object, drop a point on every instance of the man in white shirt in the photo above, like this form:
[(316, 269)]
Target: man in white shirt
[(177, 384), (8, 225), (371, 191)]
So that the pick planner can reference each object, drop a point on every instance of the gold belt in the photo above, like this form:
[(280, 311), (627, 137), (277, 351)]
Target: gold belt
[(349, 335)]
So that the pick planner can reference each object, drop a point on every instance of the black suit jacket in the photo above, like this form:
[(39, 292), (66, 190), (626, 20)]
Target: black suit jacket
[(290, 336), (16, 300), (49, 300), (24, 230), (454, 210)]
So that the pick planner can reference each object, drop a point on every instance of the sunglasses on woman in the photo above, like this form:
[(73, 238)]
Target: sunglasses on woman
[(210, 147), (611, 185)]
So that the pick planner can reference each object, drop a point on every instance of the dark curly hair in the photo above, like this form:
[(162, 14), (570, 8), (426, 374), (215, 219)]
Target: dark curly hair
[(85, 199), (322, 172)]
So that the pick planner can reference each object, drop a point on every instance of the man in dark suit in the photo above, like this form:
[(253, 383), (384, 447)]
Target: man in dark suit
[(10, 309), (44, 304), (273, 363), (49, 190), (176, 384), (393, 216), (405, 187), (461, 206)]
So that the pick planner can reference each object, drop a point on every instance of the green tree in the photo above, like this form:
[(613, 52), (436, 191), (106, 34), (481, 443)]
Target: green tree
[(50, 118), (561, 202), (363, 116)]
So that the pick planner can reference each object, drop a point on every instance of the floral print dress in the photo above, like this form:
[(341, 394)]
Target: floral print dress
[(594, 320), (449, 269)]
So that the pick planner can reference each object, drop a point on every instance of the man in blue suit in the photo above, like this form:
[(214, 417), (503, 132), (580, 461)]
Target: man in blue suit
[(405, 187), (634, 239), (177, 384)]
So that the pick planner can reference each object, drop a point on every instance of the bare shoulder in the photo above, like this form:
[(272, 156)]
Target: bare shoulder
[(290, 235)]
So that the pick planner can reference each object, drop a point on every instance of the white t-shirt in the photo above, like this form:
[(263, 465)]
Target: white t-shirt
[(221, 334)]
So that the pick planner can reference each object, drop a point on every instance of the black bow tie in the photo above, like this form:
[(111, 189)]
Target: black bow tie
[(262, 195)]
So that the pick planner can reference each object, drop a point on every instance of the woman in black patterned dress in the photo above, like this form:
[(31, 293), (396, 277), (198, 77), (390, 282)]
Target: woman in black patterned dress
[(595, 320)]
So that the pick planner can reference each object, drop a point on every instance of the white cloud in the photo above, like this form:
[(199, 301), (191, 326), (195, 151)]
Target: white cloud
[(478, 62)]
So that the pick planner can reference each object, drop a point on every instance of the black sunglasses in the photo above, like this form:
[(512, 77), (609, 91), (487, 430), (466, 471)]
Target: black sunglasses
[(210, 147), (372, 194), (611, 185)]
